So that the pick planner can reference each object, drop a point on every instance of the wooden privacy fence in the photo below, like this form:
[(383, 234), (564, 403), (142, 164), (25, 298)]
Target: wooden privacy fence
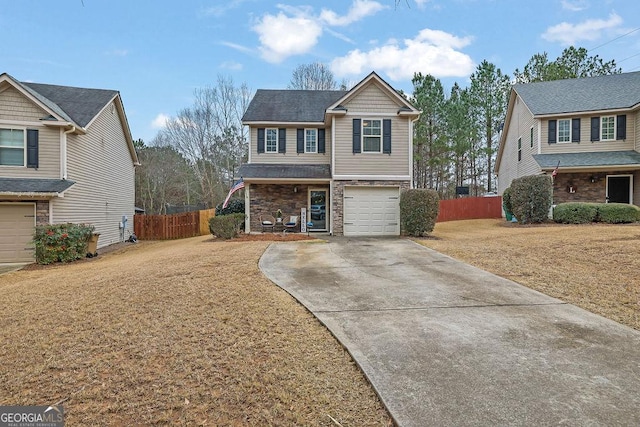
[(470, 208), (177, 226)]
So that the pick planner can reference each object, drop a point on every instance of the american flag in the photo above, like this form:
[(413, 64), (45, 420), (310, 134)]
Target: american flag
[(555, 171), (239, 184)]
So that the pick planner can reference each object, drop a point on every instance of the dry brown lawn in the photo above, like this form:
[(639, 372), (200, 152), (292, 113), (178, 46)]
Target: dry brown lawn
[(185, 332), (596, 267)]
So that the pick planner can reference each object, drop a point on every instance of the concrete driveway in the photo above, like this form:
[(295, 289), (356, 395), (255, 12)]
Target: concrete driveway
[(444, 343)]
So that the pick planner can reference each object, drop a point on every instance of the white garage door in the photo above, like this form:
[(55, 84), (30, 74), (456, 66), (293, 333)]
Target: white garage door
[(17, 222), (371, 211)]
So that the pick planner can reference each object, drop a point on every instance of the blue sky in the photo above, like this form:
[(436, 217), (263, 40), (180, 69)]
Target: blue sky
[(157, 52)]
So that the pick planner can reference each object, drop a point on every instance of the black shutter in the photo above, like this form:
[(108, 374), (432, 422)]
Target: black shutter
[(282, 140), (386, 136), (300, 141), (621, 127), (356, 136), (575, 130), (32, 148), (260, 140), (595, 128), (321, 143), (552, 131)]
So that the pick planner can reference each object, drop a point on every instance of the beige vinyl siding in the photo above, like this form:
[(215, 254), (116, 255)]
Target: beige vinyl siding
[(372, 99), (636, 188), (16, 107), (291, 156), (101, 165), (636, 120), (586, 145), (520, 127), (394, 164)]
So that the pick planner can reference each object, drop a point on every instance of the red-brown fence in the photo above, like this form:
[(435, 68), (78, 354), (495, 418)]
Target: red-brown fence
[(164, 227), (470, 208)]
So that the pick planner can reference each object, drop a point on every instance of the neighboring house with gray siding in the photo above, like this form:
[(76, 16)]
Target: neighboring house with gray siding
[(341, 156), (588, 128), (66, 155)]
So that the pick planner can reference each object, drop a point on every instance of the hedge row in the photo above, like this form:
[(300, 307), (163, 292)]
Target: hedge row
[(226, 226), (61, 242), (584, 213)]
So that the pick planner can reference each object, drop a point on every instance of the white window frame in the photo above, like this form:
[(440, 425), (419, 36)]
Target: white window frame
[(566, 134), (371, 136), (12, 147), (274, 148), (307, 140), (612, 120)]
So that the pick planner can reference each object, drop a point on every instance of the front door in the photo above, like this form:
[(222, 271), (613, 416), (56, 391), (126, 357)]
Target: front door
[(318, 211), (619, 189)]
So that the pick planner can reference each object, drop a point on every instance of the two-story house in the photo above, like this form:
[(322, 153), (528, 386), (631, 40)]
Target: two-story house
[(342, 156), (586, 130), (66, 156)]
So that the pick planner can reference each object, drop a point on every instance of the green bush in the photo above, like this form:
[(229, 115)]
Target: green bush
[(575, 213), (506, 202), (618, 213), (234, 206), (226, 226), (418, 211), (61, 242), (531, 198)]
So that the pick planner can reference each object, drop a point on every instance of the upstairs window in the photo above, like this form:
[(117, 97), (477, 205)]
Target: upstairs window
[(519, 149), (311, 140), (371, 136), (564, 130), (607, 128), (531, 137), (12, 147), (271, 143)]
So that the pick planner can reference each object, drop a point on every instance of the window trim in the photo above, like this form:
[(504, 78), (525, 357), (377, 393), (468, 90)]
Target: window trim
[(379, 136), (531, 137), (266, 140), (520, 149), (306, 141), (613, 126), (568, 136), (11, 147)]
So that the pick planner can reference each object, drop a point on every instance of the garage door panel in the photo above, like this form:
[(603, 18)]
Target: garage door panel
[(371, 211), (17, 222)]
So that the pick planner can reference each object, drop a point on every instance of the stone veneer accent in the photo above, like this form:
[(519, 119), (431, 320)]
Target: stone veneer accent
[(338, 198), (585, 190), (266, 199)]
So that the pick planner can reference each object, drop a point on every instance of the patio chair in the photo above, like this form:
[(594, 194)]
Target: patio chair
[(267, 222), (292, 224)]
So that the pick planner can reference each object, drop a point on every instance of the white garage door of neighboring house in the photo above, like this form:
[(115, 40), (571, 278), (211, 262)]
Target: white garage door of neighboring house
[(17, 222), (371, 211)]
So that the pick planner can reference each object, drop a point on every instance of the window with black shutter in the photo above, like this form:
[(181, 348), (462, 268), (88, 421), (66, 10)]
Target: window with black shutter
[(260, 140), (552, 132), (321, 141), (621, 127), (595, 129), (299, 141), (386, 136), (357, 132), (32, 148), (575, 130)]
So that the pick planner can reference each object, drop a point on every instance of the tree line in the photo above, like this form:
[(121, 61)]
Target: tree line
[(192, 161)]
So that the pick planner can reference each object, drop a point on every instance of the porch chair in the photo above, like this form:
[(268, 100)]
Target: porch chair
[(267, 222), (292, 224)]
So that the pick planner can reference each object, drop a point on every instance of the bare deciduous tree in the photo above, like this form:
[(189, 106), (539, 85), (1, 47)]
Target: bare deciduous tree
[(315, 76)]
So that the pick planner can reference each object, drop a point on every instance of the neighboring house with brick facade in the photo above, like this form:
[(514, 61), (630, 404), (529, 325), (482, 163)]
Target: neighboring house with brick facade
[(66, 155), (588, 128), (341, 157)]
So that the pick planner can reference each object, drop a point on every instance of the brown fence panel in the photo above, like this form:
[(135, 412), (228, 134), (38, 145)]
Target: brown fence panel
[(205, 216), (470, 208), (164, 227)]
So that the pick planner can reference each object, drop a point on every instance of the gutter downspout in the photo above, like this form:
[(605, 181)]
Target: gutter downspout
[(63, 152)]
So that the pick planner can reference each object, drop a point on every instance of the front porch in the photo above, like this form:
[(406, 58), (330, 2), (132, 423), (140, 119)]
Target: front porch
[(597, 187)]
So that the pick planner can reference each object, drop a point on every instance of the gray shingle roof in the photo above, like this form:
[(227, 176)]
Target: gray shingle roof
[(284, 171), (604, 158), (290, 105), (33, 185), (80, 105), (587, 94)]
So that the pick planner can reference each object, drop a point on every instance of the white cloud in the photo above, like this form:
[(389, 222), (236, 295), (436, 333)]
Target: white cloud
[(237, 47), (118, 52), (430, 52), (282, 36), (569, 34), (160, 121), (231, 65), (359, 10), (575, 5)]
